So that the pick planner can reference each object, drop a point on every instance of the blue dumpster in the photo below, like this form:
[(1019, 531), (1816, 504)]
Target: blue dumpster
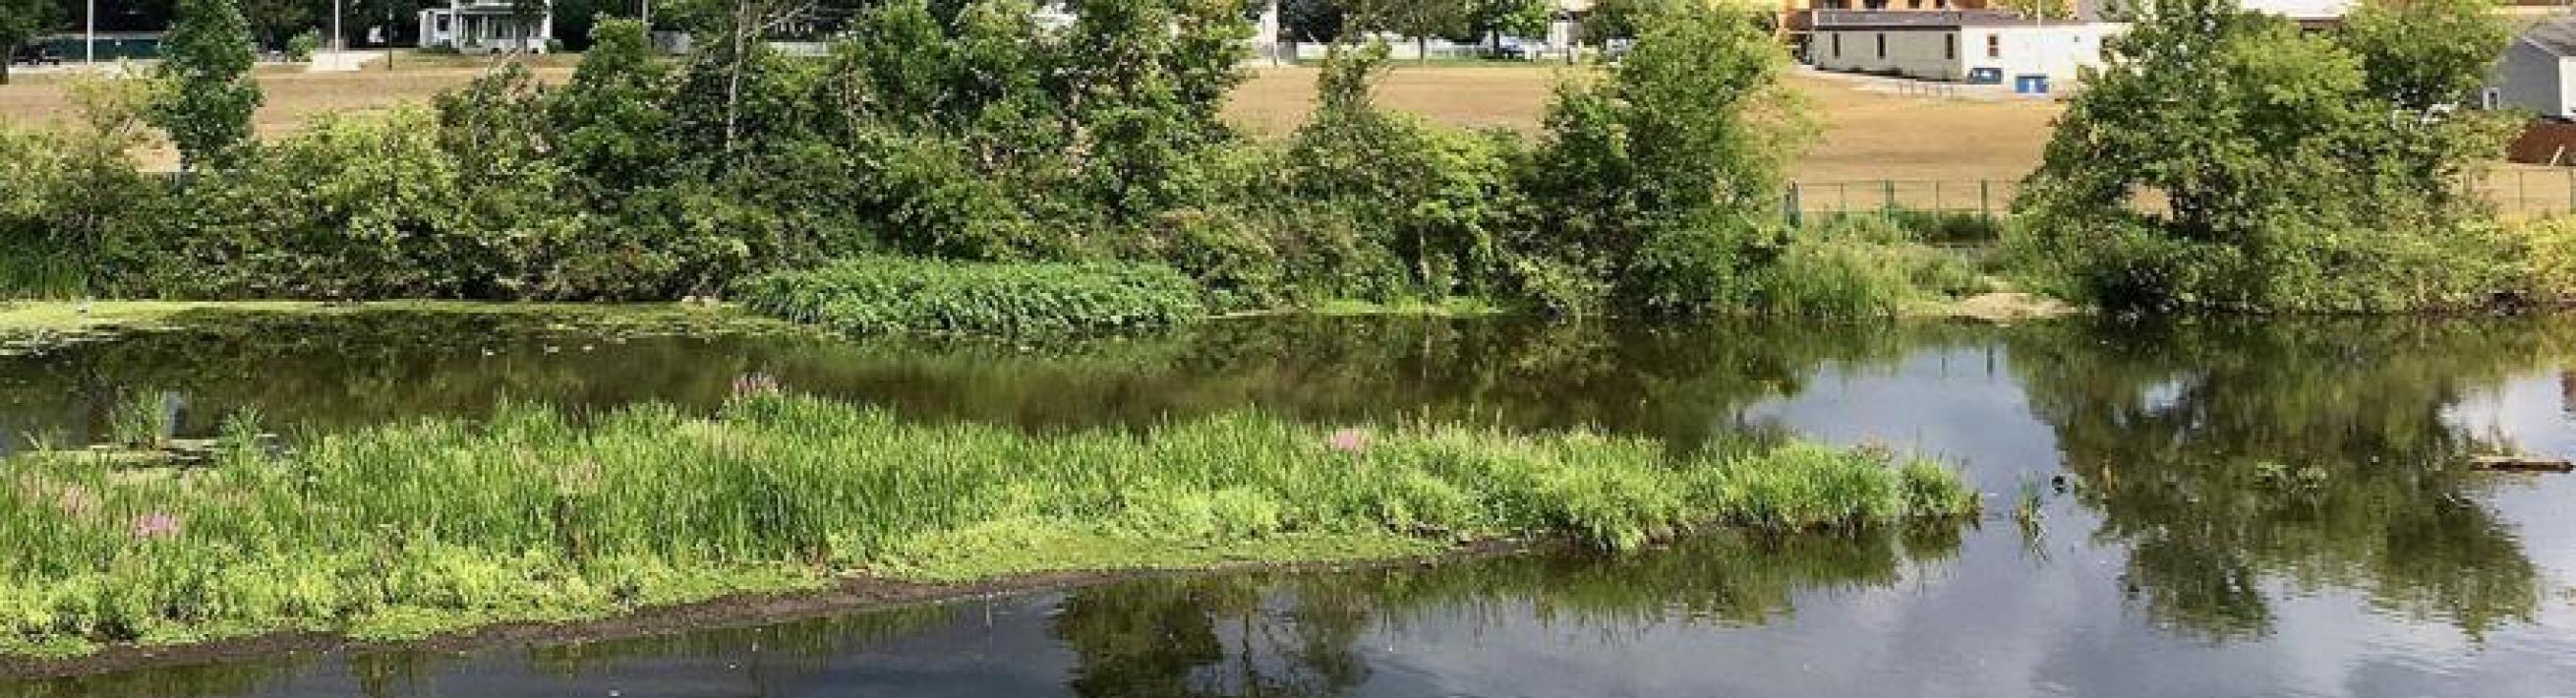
[(2030, 84)]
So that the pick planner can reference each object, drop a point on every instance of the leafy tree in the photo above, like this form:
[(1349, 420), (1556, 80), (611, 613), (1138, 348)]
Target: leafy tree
[(608, 123), (1420, 19), (20, 22), (1147, 96), (1441, 198), (2425, 53), (1521, 18), (1624, 19), (209, 96), (1313, 20), (2225, 159), (272, 21), (1665, 179), (2040, 9)]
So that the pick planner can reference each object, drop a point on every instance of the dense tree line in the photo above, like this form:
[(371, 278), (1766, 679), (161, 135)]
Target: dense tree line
[(964, 130)]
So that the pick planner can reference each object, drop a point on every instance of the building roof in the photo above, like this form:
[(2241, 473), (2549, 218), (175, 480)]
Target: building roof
[(1829, 20), (2557, 35)]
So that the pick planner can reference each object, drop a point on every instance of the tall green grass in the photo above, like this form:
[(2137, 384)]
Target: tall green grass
[(34, 274), (888, 295), (402, 530)]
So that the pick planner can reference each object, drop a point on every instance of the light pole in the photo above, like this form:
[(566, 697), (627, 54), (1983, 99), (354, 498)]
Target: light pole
[(89, 35), (339, 41)]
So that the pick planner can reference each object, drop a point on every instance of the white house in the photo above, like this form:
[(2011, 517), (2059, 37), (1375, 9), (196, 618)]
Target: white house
[(2536, 74), (486, 26), (1958, 45)]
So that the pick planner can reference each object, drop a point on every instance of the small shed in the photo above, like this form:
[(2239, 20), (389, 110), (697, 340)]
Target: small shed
[(2534, 74)]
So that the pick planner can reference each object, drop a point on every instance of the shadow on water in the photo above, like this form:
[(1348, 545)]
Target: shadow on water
[(2223, 471)]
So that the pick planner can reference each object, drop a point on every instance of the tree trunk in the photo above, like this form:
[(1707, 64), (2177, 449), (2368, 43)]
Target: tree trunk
[(1421, 49), (733, 79)]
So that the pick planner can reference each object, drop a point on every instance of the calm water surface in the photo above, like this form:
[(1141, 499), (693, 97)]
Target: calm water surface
[(2245, 509)]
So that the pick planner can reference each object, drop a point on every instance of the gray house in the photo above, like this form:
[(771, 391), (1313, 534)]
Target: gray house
[(2535, 74)]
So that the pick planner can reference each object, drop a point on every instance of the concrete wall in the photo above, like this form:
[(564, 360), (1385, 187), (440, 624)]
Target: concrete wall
[(1922, 54), (2530, 79)]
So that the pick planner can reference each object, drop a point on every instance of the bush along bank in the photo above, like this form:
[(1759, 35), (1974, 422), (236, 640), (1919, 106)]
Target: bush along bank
[(2324, 172), (887, 295), (408, 530), (954, 131)]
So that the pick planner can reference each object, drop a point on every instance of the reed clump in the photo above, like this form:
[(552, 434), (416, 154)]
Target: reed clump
[(891, 295), (436, 525)]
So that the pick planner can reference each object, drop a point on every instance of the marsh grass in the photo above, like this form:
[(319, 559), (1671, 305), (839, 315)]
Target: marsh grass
[(889, 295), (435, 525)]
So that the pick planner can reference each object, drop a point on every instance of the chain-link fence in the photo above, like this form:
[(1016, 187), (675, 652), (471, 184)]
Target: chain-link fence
[(2516, 191)]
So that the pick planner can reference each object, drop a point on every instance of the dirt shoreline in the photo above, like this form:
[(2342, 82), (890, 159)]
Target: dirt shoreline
[(741, 610)]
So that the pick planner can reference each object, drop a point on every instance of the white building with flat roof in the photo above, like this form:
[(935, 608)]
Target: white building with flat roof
[(1959, 45)]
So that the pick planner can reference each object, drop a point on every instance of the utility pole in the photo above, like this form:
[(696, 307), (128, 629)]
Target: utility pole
[(339, 41), (89, 36)]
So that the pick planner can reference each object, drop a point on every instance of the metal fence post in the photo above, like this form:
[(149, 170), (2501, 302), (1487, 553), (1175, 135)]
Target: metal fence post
[(1795, 221)]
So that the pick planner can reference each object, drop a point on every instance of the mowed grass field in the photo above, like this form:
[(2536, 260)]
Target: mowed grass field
[(1867, 135)]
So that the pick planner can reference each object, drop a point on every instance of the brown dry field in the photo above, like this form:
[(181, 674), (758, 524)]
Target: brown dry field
[(1867, 136)]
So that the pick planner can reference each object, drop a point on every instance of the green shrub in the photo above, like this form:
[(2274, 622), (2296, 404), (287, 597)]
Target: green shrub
[(300, 48), (2324, 172), (887, 295), (1665, 179)]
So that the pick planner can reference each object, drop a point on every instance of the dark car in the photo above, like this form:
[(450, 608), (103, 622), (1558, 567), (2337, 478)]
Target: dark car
[(33, 54)]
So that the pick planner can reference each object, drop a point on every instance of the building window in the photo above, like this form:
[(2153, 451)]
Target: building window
[(1838, 44), (1882, 47), (1914, 4), (1994, 45), (1949, 47)]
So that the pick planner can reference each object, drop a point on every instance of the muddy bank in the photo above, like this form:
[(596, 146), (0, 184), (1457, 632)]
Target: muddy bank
[(741, 610)]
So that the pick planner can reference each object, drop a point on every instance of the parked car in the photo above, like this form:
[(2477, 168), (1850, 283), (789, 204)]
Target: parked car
[(1617, 49), (1518, 50), (34, 54)]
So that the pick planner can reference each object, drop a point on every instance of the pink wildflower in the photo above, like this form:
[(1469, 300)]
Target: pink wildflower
[(754, 384), (1351, 441), (76, 501), (156, 525)]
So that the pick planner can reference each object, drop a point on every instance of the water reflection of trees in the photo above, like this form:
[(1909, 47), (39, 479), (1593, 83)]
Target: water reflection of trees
[(2231, 455), (1298, 635), (339, 371)]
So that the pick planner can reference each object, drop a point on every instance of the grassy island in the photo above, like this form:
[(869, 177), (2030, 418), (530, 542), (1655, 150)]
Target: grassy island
[(408, 530)]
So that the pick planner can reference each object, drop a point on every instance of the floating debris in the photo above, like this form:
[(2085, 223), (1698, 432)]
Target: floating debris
[(2521, 464)]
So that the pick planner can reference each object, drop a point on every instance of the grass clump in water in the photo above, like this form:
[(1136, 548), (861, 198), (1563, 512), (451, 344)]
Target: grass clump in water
[(888, 295), (413, 529)]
